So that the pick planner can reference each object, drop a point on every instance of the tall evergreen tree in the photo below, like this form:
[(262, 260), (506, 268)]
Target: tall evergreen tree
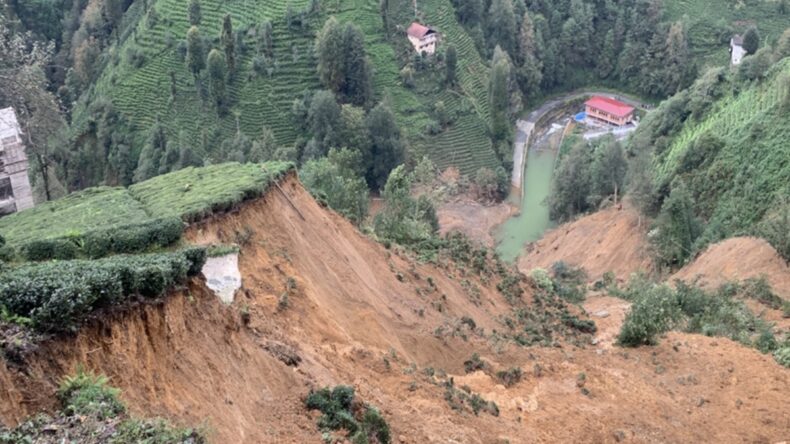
[(502, 26), (529, 73), (329, 50), (751, 40), (677, 227), (151, 154), (470, 12), (386, 145), (196, 57), (357, 83), (217, 76), (194, 12), (324, 120), (608, 170), (228, 43), (571, 184), (676, 61), (450, 61), (499, 94), (186, 155)]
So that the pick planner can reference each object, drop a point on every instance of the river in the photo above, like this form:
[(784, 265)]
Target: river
[(533, 219)]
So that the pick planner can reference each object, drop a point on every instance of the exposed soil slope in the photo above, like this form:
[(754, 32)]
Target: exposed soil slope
[(608, 240), (355, 317), (473, 219), (736, 259)]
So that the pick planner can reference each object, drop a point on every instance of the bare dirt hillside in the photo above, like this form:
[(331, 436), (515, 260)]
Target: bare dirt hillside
[(354, 315), (608, 240), (474, 219), (736, 259)]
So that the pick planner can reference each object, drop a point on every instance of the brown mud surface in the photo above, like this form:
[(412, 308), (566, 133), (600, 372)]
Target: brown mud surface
[(613, 239), (474, 219), (355, 316), (739, 258)]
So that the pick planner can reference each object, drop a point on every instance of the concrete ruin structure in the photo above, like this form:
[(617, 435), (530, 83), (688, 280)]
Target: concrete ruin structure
[(15, 192)]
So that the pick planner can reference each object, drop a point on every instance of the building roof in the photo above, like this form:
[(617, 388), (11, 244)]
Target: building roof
[(418, 30), (611, 106), (737, 40)]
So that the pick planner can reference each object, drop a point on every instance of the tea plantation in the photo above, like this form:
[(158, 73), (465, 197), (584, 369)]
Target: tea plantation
[(79, 230), (139, 86), (101, 221)]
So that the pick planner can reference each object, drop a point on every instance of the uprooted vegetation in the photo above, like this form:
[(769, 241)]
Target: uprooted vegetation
[(657, 309), (339, 409), (91, 412)]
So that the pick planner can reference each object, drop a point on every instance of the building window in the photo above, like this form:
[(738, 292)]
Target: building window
[(6, 191)]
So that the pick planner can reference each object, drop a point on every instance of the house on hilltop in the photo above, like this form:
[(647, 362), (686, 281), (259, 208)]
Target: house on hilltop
[(737, 52), (423, 38), (609, 110), (15, 191)]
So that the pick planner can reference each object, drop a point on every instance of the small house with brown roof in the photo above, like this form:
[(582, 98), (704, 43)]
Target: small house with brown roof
[(423, 38)]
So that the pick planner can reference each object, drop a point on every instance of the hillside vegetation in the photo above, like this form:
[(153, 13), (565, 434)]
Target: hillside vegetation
[(711, 23), (98, 221), (725, 141), (140, 86)]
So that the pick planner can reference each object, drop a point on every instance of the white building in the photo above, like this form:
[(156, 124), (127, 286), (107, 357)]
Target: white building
[(736, 50), (423, 38), (15, 191)]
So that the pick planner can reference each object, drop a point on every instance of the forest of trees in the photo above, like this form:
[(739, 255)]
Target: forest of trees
[(555, 44)]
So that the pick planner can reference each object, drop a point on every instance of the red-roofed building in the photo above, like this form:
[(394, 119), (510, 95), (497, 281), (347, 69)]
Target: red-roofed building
[(423, 38), (609, 110)]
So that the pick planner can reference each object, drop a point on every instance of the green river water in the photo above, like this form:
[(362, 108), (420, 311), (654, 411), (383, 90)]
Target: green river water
[(533, 219)]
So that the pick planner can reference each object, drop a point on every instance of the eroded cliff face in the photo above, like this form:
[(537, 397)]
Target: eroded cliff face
[(321, 304)]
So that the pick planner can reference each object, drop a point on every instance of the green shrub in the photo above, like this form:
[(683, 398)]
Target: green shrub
[(155, 431), (474, 363), (510, 377), (45, 249), (653, 313), (337, 413), (58, 296), (782, 356), (88, 394)]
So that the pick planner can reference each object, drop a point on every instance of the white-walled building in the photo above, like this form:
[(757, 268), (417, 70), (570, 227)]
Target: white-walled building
[(423, 38), (737, 53), (15, 191)]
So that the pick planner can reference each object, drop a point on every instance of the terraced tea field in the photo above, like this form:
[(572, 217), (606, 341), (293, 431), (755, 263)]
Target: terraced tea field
[(142, 93), (711, 23)]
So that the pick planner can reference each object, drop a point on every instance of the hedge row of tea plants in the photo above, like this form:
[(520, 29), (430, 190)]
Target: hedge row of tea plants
[(58, 296), (101, 221), (120, 239)]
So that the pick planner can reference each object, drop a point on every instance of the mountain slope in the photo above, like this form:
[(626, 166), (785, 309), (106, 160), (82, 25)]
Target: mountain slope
[(140, 90), (355, 316)]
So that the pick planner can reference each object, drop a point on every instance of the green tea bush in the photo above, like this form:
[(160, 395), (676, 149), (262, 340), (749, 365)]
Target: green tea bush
[(133, 238), (58, 296), (45, 249), (119, 239)]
